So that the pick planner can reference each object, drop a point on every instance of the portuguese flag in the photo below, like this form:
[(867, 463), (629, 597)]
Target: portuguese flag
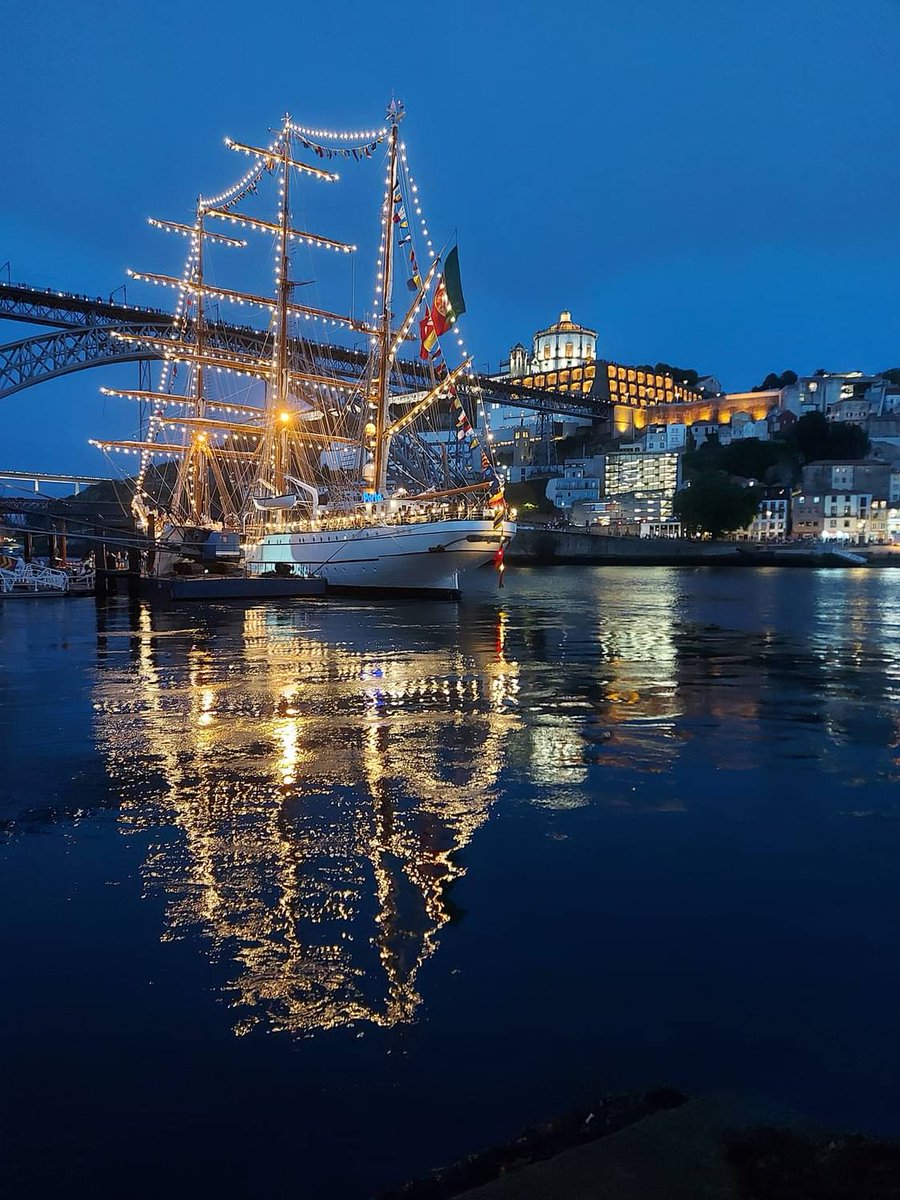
[(427, 336), (449, 302)]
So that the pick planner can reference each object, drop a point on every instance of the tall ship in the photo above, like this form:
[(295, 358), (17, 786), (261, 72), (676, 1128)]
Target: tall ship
[(321, 441)]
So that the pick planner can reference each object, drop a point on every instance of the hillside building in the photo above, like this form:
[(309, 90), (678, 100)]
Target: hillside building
[(844, 501)]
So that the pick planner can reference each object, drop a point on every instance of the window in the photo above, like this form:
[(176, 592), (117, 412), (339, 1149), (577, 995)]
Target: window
[(547, 350), (570, 350)]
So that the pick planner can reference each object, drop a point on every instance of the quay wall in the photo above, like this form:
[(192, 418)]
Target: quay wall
[(545, 547)]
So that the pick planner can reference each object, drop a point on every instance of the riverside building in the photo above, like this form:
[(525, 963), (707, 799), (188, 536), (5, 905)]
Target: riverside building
[(844, 501), (641, 486), (772, 522)]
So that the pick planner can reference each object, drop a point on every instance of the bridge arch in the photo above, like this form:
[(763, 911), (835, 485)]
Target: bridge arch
[(51, 355)]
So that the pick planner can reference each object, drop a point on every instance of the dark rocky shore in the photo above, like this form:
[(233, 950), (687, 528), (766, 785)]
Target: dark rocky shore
[(663, 1146)]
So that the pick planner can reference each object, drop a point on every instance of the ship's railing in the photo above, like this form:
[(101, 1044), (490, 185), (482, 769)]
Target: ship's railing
[(337, 523), (32, 577), (82, 582)]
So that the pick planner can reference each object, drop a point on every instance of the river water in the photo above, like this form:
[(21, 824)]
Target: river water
[(305, 899)]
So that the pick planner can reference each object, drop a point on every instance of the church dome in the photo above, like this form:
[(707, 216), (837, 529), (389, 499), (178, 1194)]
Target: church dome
[(565, 324)]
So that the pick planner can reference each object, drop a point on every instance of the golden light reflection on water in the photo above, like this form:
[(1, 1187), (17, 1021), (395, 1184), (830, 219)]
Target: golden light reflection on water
[(314, 796), (309, 784)]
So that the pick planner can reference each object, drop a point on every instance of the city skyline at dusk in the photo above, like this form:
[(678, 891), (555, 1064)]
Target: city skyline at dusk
[(704, 187)]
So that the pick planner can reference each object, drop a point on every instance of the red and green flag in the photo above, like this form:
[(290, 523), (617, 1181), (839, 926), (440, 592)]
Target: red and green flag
[(449, 302), (427, 335)]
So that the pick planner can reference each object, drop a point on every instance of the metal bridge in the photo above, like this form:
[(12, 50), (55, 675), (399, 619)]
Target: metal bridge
[(82, 330), (36, 478)]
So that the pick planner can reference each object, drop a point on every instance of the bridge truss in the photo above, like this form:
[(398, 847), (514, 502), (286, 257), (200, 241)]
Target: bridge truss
[(83, 330)]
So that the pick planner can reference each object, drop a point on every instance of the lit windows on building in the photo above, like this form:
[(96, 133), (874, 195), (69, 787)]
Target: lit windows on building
[(772, 520), (650, 480), (848, 516), (642, 389), (578, 379), (562, 345)]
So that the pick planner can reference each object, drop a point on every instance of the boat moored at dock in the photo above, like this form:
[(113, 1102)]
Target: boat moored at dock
[(334, 471)]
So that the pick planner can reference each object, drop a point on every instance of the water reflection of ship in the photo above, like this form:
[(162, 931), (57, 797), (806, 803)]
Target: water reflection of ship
[(322, 791)]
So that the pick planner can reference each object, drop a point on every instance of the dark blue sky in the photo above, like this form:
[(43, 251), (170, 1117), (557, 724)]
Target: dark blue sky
[(713, 183)]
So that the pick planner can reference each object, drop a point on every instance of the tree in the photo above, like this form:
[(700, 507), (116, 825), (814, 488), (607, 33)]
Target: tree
[(530, 495), (712, 504), (686, 375), (748, 457), (708, 456), (751, 458), (814, 437), (773, 382), (848, 441)]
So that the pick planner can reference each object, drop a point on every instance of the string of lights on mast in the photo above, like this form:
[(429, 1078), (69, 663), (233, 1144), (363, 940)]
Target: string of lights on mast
[(276, 158)]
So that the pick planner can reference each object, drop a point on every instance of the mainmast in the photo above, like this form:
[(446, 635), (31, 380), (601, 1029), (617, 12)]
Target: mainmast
[(198, 460), (383, 365), (281, 380)]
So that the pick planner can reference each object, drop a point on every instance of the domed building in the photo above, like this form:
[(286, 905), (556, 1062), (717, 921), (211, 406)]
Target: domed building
[(560, 346)]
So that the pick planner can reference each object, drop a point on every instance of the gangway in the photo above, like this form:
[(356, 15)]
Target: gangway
[(21, 578)]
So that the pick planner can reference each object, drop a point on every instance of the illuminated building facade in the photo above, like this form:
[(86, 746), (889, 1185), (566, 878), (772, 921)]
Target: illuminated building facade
[(562, 359), (772, 521), (560, 346), (639, 387), (642, 486), (631, 472), (844, 501), (631, 417)]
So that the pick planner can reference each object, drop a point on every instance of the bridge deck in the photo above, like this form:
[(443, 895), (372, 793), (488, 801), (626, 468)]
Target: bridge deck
[(82, 340)]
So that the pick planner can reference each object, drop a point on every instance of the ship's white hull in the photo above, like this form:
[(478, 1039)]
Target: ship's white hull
[(426, 558)]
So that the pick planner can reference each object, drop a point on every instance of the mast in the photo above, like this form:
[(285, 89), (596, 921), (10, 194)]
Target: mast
[(198, 465), (379, 482), (282, 389)]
